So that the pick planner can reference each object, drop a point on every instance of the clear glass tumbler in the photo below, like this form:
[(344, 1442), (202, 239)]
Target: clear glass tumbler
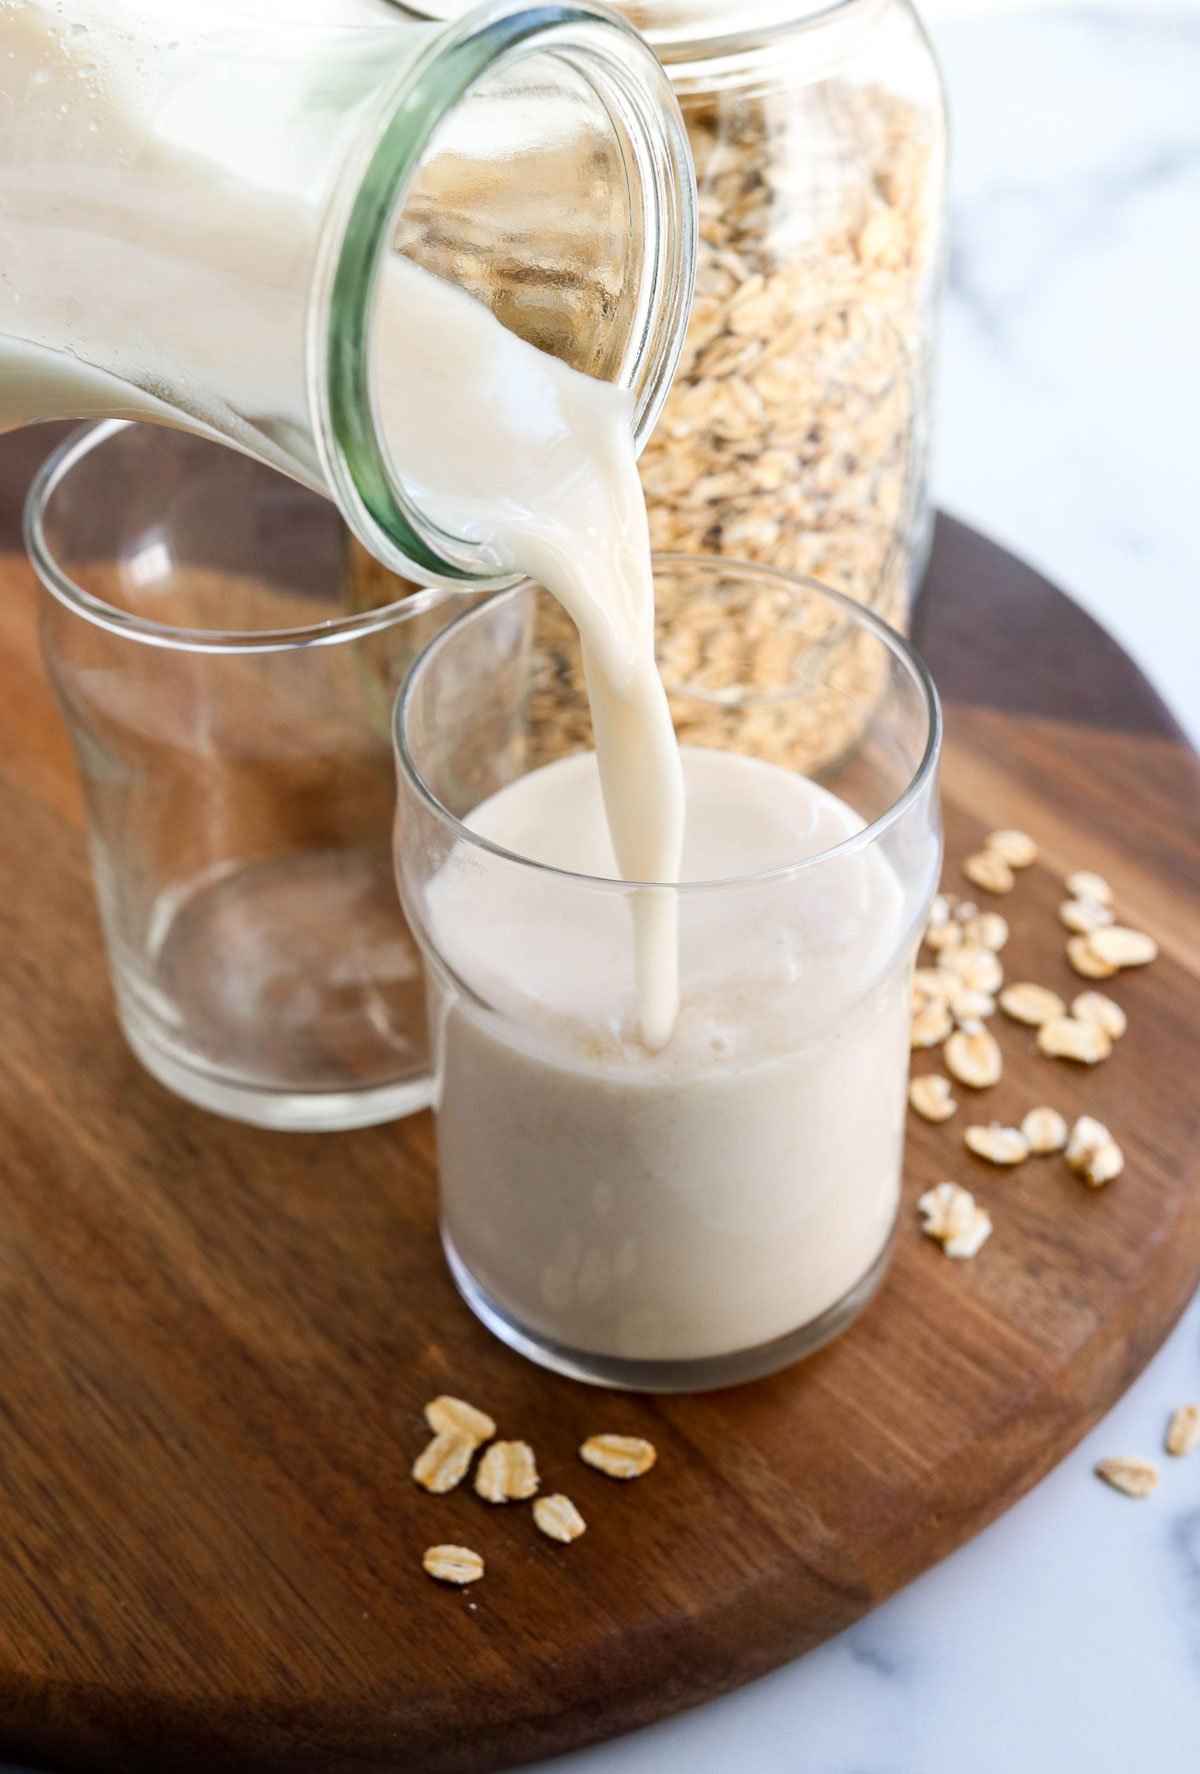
[(714, 1211), (230, 715)]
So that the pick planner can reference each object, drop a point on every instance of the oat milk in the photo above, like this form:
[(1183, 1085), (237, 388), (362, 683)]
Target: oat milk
[(730, 1188)]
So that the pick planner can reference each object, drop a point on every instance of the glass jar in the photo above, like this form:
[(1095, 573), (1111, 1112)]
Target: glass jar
[(797, 430), (198, 203)]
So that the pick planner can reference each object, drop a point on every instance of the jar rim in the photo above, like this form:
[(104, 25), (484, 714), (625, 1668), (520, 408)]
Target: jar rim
[(692, 30)]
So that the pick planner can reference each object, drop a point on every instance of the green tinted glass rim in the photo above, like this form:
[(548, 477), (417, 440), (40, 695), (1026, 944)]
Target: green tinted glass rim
[(439, 77)]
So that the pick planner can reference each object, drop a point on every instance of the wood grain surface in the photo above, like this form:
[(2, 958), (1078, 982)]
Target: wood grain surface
[(217, 1341)]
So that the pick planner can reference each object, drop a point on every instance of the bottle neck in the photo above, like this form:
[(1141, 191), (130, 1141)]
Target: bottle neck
[(199, 204), (537, 159)]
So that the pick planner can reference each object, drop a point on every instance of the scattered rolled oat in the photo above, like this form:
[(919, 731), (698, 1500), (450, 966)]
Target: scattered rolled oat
[(453, 1564), (999, 1145), (1094, 1007), (1031, 1004), (451, 1415), (443, 1464), (558, 1518), (619, 1456), (967, 1006), (933, 982), (930, 1097), (1183, 1431), (988, 869), (987, 930), (1093, 1153), (951, 1215), (978, 968), (944, 936), (1046, 1130), (507, 1473), (1104, 1165), (931, 1024), (1136, 1478), (1017, 848), (1085, 961), (939, 911), (945, 1210), (973, 1056), (1085, 1136), (1084, 915), (1066, 1037), (965, 910), (970, 1241), (1118, 946), (1083, 884)]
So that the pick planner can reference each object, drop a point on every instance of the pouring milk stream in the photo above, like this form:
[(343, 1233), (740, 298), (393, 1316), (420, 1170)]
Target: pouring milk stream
[(521, 452)]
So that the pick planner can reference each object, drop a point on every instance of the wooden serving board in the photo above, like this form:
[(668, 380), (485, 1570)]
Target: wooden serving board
[(217, 1341)]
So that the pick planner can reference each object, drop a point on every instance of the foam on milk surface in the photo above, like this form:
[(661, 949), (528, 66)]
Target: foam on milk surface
[(744, 817)]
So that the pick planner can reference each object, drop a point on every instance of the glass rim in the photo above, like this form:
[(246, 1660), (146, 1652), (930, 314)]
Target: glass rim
[(897, 644), (685, 38), (75, 449)]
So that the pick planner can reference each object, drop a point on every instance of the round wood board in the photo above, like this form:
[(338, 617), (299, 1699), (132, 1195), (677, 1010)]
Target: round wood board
[(217, 1341)]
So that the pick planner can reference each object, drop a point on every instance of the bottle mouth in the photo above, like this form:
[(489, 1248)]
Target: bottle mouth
[(536, 157)]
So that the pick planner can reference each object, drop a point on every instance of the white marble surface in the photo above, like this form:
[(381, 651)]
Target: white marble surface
[(1071, 364), (1067, 1637)]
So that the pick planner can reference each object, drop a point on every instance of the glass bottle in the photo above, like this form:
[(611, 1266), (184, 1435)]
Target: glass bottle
[(197, 202)]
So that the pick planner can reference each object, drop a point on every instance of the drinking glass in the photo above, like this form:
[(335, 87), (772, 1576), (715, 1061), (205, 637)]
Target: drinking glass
[(229, 707), (711, 1212)]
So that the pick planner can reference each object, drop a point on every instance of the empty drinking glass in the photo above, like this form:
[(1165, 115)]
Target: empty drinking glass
[(229, 704)]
